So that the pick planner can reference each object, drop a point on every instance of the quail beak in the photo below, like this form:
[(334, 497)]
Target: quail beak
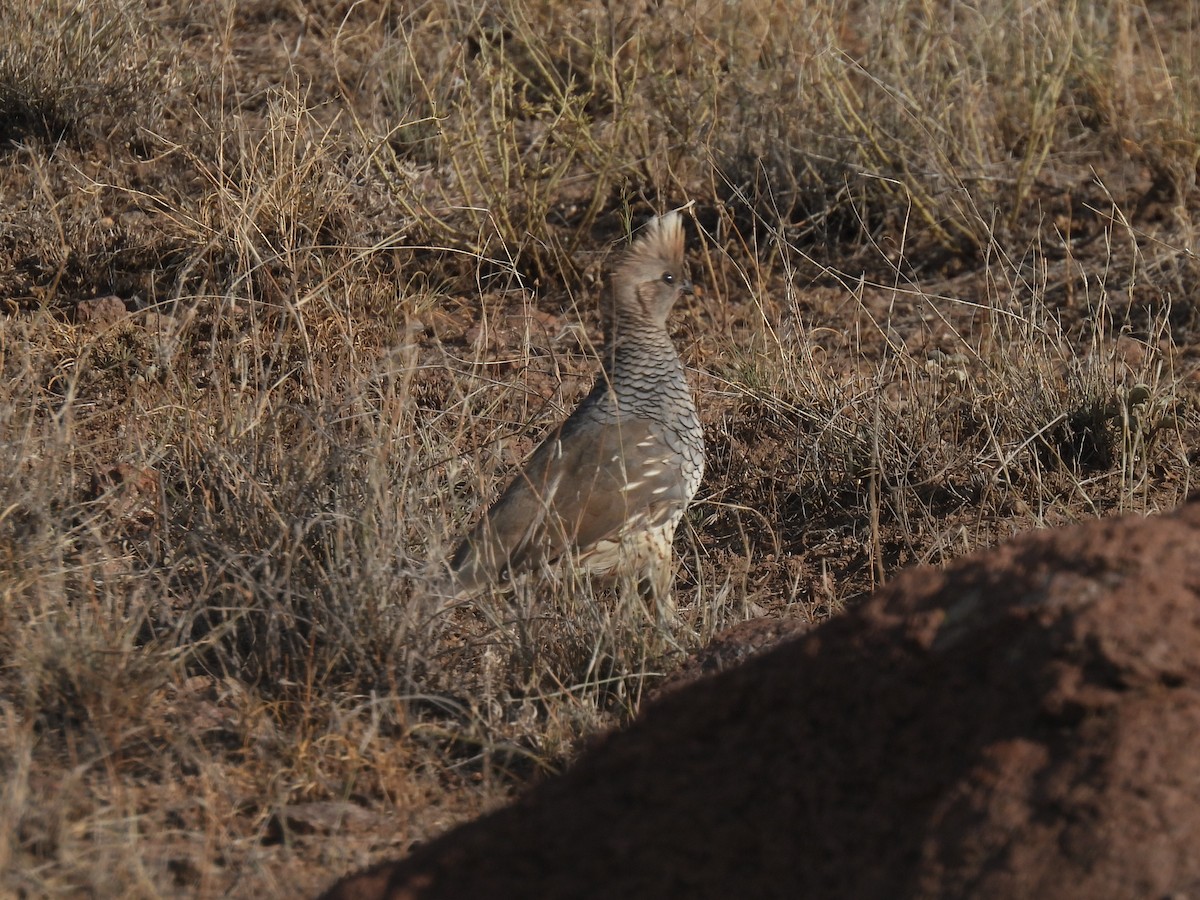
[(686, 287)]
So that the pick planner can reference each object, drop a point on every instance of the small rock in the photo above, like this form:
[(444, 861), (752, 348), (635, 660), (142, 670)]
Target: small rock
[(100, 312), (1130, 351), (318, 817)]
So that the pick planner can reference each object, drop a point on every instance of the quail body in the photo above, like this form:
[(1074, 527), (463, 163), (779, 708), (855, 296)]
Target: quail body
[(609, 485)]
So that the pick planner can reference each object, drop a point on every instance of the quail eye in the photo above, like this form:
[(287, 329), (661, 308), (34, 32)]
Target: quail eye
[(668, 278)]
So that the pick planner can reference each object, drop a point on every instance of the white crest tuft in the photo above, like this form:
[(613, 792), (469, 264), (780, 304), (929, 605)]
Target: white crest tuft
[(661, 239)]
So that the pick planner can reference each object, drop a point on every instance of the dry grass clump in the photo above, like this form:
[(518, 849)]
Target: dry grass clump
[(71, 65), (287, 290), (946, 123)]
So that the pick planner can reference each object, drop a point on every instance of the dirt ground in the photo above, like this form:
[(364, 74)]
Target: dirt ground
[(288, 288)]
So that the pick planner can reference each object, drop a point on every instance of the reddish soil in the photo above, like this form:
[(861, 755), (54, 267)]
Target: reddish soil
[(1024, 723)]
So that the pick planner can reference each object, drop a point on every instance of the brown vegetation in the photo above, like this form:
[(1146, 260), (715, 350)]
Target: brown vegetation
[(354, 250)]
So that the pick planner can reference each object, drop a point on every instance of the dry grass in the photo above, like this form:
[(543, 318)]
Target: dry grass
[(945, 251)]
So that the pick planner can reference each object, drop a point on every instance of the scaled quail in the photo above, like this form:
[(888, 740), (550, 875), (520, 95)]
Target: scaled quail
[(609, 485)]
